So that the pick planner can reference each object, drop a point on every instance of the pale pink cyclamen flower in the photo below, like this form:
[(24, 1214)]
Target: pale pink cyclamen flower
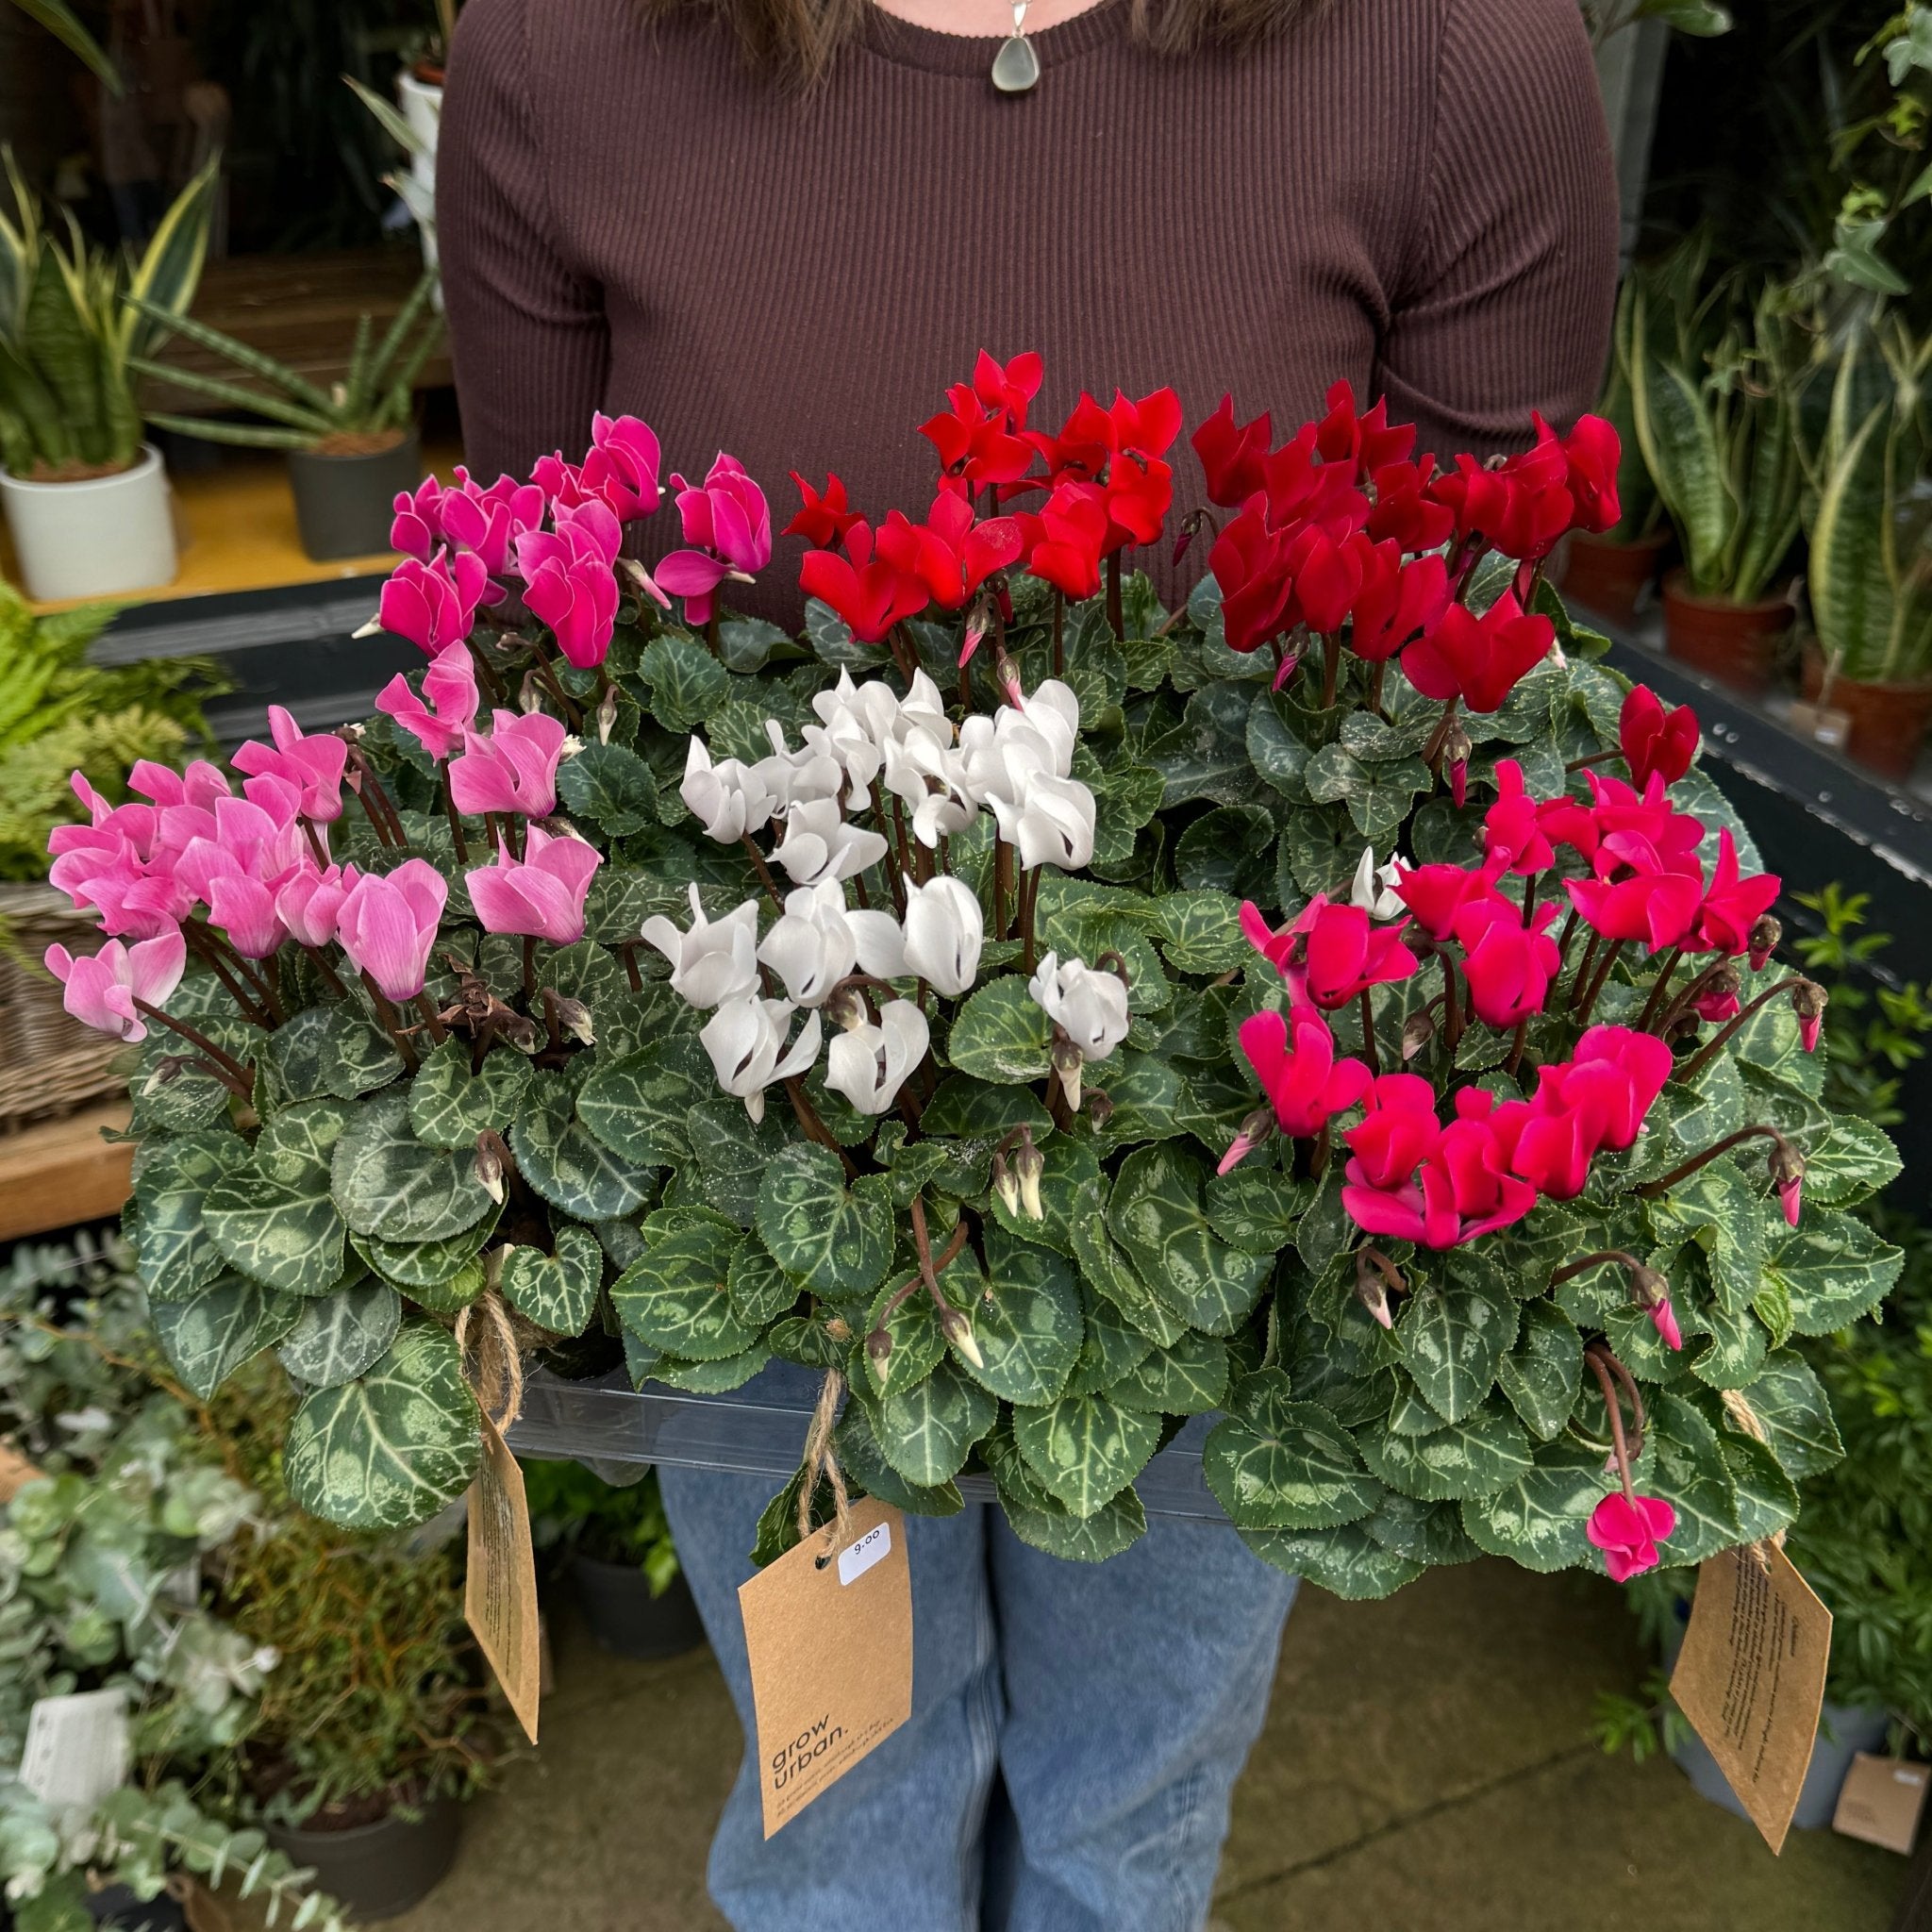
[(313, 765), (433, 604), (621, 466), (728, 524), (309, 903), (450, 687), (570, 579), (103, 986), (514, 769), (257, 847), (542, 894), (387, 926)]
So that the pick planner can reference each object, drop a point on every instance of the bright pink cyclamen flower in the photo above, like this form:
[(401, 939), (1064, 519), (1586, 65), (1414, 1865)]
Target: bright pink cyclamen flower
[(433, 604), (1510, 966), (514, 769), (570, 579), (450, 687), (620, 467), (313, 765), (542, 894), (309, 903), (1628, 1530), (103, 986), (1415, 1180), (1330, 954), (727, 525), (1294, 1060), (388, 925)]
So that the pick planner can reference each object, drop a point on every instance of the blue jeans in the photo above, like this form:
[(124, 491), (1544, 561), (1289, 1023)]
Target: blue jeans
[(1076, 1732)]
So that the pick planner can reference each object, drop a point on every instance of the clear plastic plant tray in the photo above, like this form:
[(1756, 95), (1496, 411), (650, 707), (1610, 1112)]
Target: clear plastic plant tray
[(606, 1421)]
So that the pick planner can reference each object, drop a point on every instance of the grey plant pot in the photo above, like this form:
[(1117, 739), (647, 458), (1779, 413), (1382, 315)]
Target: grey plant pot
[(626, 1619), (1844, 1731), (345, 505), (116, 1908), (378, 1870)]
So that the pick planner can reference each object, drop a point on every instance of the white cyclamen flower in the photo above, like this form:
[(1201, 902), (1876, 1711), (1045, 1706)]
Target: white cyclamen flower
[(728, 799), (819, 845), (1001, 752), (931, 776), (717, 959), (923, 708), (1050, 823), (796, 777), (944, 929), (746, 1039), (1087, 1005), (869, 1063), (812, 947), (1374, 888)]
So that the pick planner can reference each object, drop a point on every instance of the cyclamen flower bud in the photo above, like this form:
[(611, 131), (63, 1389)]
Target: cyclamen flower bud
[(1099, 1109), (1764, 941), (493, 1161), (1808, 1000), (1456, 754), (1029, 1165), (1006, 1184), (1788, 1173), (1417, 1031), (1253, 1131), (1067, 1064), (959, 1331), (879, 1352), (573, 1017)]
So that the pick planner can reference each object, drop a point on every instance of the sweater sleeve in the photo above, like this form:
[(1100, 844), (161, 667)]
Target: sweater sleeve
[(1506, 305), (528, 329)]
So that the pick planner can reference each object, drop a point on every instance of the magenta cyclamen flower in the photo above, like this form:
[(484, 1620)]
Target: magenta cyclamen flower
[(729, 525), (514, 769), (418, 525), (450, 687), (102, 987), (620, 467), (312, 765), (569, 582), (309, 903), (541, 895), (433, 604), (1628, 1530), (388, 922)]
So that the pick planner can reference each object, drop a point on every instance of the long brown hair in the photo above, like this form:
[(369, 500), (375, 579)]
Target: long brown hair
[(796, 41)]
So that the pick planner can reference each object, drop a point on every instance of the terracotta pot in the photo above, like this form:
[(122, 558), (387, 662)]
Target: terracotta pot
[(1888, 721), (1610, 579), (1735, 643)]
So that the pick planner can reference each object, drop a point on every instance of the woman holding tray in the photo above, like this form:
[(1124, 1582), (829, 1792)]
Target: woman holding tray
[(784, 226)]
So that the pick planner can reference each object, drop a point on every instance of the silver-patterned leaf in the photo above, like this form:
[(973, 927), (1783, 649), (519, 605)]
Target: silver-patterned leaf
[(1276, 1463), (449, 1105), (339, 1335), (389, 1185), (1347, 1561), (171, 1183), (1452, 1334), (558, 1293), (676, 1296), (208, 1336), (1155, 1213), (1026, 1321), (1085, 1449), (926, 1430), (836, 1240), (275, 1219)]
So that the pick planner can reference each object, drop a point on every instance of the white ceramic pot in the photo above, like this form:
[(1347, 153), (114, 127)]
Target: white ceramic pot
[(96, 538)]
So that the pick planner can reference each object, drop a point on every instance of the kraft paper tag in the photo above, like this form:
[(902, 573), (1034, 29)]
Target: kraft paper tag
[(500, 1591), (76, 1749), (1881, 1801), (1751, 1678), (830, 1642), (16, 1472)]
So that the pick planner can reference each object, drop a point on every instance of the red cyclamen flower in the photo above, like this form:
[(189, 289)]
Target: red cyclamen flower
[(1479, 660), (1655, 737), (1510, 966), (871, 593), (1294, 1060), (1628, 1530), (1330, 954), (1231, 456), (1732, 904), (823, 518)]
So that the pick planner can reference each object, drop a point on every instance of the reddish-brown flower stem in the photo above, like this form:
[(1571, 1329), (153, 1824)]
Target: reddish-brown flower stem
[(1059, 619), (1659, 988), (1116, 609), (627, 952), (237, 1076), (385, 1014), (1570, 1270), (813, 1127), (764, 873), (1664, 1183), (202, 942), (1611, 954), (1594, 1353), (455, 821), (1002, 884), (1713, 1046), (1369, 1051), (432, 1020), (1440, 737)]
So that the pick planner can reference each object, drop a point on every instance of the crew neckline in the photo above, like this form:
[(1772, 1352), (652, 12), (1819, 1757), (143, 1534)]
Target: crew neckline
[(935, 52)]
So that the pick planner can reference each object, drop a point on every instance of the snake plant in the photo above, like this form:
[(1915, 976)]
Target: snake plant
[(363, 411), (1712, 398), (68, 337), (1869, 521)]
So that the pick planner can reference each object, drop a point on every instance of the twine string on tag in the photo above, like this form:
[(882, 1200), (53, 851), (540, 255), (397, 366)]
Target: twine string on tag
[(1739, 1409), (499, 1366), (820, 1460)]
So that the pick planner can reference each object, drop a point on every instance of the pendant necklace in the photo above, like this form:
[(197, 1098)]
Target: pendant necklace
[(1016, 66)]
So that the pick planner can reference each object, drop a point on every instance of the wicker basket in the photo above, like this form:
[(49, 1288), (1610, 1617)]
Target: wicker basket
[(52, 1064)]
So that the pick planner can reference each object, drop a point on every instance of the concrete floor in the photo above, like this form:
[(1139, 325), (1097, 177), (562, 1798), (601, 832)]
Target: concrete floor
[(1425, 1768)]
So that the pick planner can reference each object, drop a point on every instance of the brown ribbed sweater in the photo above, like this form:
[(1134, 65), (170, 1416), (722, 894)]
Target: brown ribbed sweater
[(1416, 194)]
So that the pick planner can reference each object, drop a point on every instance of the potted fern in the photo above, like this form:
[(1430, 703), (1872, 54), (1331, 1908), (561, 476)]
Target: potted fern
[(1712, 400), (86, 498), (1870, 523), (352, 447)]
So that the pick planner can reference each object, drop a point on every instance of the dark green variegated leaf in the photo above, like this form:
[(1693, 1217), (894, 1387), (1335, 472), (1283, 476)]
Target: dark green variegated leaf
[(1735, 1352), (171, 1181), (1155, 1213), (1451, 1336), (926, 1429), (678, 1297), (1776, 1103), (338, 1336), (745, 643), (1324, 1229), (449, 1105), (584, 971), (208, 1336), (413, 1265), (1256, 1208), (334, 1051), (1277, 752), (1538, 1520), (1000, 1035), (275, 1220), (1276, 1463), (1834, 1268), (965, 1109), (578, 1174), (1227, 851), (760, 1290), (1206, 755), (1085, 1449), (1484, 1452), (1541, 1373), (1790, 1406), (1688, 1472), (860, 1457), (1770, 1037), (687, 683), (1347, 1562), (1112, 1347), (1189, 1379), (1427, 1533), (1377, 796), (389, 1185), (835, 1241), (1109, 1274), (558, 1293), (1027, 1321), (641, 1106), (173, 1097), (612, 788), (1320, 848), (913, 1328), (1144, 1094), (1852, 1161), (797, 1339), (391, 1447), (1766, 1497), (1728, 1216), (710, 1379), (1040, 1520)]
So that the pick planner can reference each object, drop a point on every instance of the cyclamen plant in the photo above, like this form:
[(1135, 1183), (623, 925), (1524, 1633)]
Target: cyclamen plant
[(1338, 1003)]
